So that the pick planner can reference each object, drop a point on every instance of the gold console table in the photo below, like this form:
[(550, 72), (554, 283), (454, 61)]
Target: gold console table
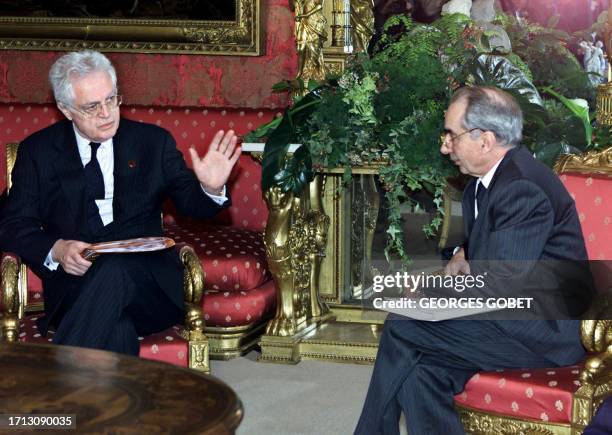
[(320, 272)]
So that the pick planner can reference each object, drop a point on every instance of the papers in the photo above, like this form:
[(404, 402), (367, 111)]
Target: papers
[(418, 312), (142, 244), (255, 147)]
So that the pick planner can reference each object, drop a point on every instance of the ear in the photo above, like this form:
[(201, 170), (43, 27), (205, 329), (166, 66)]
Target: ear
[(65, 111), (489, 141)]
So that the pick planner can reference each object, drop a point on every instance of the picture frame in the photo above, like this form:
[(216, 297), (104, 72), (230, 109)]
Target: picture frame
[(239, 35)]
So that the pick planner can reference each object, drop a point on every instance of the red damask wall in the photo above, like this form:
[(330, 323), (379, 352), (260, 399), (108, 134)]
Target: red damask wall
[(176, 80), (200, 93)]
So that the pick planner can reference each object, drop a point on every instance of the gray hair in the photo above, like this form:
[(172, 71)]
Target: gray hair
[(75, 65), (492, 109)]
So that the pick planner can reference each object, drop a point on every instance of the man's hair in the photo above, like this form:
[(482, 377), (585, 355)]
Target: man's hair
[(75, 65), (491, 109)]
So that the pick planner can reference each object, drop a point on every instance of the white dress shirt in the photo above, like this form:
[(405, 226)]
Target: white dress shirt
[(106, 160), (485, 180)]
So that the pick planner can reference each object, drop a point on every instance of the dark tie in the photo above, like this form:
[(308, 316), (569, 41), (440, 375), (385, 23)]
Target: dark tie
[(94, 189), (480, 194)]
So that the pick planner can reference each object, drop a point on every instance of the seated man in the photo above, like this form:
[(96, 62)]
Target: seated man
[(515, 209), (96, 177)]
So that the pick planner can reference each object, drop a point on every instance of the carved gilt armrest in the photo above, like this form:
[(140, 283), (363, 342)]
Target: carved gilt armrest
[(596, 378), (194, 318), (12, 297)]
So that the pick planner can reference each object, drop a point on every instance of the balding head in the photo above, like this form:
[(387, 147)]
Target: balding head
[(491, 109)]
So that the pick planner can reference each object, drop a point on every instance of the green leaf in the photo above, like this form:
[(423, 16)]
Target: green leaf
[(262, 131), (549, 153), (297, 172), (275, 152), (492, 70), (579, 108)]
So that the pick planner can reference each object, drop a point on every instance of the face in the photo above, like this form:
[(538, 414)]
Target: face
[(90, 89), (466, 149)]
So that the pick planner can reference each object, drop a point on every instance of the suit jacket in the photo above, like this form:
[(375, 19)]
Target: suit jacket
[(47, 201), (527, 214)]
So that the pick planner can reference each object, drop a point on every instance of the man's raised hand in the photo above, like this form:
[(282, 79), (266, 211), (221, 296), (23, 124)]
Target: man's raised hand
[(215, 167)]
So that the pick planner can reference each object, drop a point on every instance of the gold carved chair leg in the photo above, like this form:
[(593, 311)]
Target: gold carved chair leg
[(194, 318), (12, 296)]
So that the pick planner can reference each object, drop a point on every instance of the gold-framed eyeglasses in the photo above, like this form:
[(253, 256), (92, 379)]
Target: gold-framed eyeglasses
[(94, 109), (452, 137)]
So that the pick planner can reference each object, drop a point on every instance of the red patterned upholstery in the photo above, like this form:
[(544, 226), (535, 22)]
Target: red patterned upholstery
[(232, 258), (544, 394), (225, 308), (593, 196), (165, 346), (34, 288), (547, 394)]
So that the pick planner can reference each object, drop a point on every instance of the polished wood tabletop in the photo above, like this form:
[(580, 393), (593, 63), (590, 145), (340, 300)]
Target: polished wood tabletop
[(109, 393)]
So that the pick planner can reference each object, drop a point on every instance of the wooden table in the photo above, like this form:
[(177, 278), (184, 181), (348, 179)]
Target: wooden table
[(113, 393)]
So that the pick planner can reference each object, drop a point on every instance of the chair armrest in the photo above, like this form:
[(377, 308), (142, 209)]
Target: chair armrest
[(598, 368), (596, 333), (12, 295), (194, 287)]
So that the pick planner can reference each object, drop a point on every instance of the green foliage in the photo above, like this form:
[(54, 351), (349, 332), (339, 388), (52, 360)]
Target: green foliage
[(390, 108), (602, 136), (545, 52)]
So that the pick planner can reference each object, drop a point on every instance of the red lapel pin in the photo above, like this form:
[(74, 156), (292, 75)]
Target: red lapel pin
[(131, 164)]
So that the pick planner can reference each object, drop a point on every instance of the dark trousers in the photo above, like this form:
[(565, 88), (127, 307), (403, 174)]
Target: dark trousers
[(420, 366), (117, 300)]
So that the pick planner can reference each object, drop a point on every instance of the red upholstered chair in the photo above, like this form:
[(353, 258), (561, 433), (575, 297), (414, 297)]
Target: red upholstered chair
[(239, 295), (558, 400), (21, 304)]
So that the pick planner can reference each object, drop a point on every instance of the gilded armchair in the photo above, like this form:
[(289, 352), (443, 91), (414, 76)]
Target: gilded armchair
[(559, 400), (20, 304)]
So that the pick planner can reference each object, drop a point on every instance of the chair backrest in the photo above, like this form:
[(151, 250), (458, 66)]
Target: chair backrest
[(11, 155), (30, 281), (588, 178)]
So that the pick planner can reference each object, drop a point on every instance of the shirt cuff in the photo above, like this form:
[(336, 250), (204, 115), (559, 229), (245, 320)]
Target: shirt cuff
[(457, 249), (50, 263), (219, 199)]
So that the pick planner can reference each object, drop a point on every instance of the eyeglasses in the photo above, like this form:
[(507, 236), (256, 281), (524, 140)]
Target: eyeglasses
[(453, 137), (94, 109)]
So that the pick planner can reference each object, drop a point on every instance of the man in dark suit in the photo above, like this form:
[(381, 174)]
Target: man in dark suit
[(96, 177), (515, 209)]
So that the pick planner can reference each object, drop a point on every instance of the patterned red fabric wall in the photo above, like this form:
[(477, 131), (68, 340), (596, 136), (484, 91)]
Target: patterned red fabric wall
[(176, 80), (189, 126)]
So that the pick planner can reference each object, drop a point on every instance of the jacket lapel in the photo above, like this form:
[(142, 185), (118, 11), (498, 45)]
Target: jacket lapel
[(69, 169), (126, 166), (468, 207), (475, 232)]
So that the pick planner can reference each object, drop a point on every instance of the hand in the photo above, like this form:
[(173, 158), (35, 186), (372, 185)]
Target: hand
[(214, 169), (68, 254), (458, 264)]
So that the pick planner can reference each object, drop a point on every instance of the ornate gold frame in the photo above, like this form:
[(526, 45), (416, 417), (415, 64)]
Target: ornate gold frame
[(241, 37)]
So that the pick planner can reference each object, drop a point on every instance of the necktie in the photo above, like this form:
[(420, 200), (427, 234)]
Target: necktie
[(94, 189), (480, 193)]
